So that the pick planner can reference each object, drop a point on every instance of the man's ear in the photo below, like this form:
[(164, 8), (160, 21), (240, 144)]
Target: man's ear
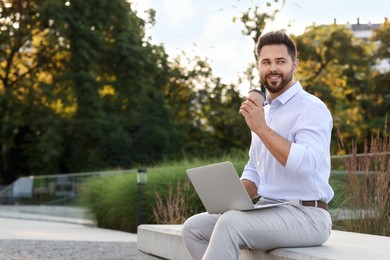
[(296, 65)]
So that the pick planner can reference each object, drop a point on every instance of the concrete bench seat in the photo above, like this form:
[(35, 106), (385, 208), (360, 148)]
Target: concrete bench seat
[(164, 241)]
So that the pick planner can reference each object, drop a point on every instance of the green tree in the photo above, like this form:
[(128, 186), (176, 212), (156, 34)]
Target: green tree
[(110, 57), (80, 88), (335, 66), (229, 127), (380, 87), (204, 110), (20, 75), (187, 96)]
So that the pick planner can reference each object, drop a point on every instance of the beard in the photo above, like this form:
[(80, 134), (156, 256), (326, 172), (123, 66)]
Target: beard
[(277, 87)]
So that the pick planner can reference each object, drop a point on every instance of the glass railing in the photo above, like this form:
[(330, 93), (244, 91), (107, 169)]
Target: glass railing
[(49, 197)]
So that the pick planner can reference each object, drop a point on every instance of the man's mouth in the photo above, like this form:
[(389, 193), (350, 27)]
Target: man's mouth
[(273, 77)]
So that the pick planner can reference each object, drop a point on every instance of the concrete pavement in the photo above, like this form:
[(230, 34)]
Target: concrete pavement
[(41, 240)]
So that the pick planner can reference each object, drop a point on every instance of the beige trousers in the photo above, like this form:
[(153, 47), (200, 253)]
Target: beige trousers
[(221, 236)]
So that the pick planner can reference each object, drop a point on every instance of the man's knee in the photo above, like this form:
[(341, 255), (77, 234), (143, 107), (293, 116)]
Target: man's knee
[(229, 223), (229, 218), (186, 228), (190, 226)]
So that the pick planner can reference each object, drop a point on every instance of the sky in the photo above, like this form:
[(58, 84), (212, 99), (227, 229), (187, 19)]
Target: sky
[(205, 27)]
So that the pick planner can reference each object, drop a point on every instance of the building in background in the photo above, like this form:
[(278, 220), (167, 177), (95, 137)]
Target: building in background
[(364, 32)]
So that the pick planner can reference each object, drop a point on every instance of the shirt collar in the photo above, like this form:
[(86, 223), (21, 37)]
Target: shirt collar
[(289, 93)]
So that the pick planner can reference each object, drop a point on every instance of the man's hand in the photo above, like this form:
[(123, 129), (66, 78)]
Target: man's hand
[(253, 111), (250, 188)]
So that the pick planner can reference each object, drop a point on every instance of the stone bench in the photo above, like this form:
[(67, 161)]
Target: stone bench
[(164, 241)]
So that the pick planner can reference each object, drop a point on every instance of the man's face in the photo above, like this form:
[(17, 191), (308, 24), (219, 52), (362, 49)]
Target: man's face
[(276, 68)]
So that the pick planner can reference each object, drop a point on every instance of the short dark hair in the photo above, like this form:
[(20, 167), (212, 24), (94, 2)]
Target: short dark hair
[(277, 38)]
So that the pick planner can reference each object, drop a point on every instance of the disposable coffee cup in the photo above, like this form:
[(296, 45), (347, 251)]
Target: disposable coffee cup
[(256, 94)]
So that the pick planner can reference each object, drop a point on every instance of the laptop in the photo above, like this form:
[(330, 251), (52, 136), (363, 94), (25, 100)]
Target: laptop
[(220, 189)]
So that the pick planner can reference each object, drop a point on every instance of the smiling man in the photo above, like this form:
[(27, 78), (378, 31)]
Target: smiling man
[(289, 160)]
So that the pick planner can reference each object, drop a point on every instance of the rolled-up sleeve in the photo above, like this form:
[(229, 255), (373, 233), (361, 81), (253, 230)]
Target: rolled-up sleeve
[(250, 173), (295, 157), (312, 141)]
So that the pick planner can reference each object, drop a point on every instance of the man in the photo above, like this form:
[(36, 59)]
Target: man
[(289, 159)]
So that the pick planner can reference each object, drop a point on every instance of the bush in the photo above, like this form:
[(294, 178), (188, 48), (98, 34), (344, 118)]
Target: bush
[(112, 201)]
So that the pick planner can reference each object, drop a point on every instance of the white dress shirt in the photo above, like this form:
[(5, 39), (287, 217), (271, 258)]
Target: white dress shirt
[(304, 120)]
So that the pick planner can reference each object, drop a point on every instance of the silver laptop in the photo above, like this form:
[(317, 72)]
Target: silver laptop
[(220, 189)]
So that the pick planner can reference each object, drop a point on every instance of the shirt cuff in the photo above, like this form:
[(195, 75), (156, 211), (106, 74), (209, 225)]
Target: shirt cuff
[(295, 157)]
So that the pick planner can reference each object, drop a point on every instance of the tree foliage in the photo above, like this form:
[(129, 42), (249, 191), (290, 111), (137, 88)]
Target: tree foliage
[(338, 68), (381, 77), (204, 110), (82, 88)]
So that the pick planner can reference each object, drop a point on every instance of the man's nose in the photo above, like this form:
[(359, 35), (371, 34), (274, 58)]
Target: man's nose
[(273, 67)]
